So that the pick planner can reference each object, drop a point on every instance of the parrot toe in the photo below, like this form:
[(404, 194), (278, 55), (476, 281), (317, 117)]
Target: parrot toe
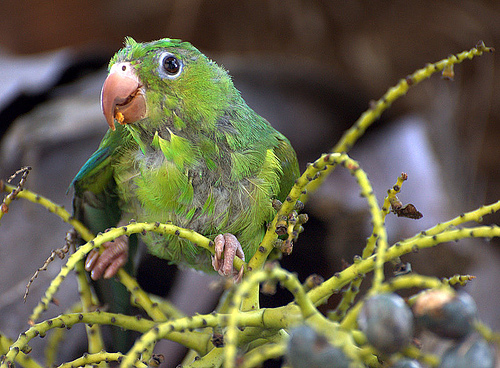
[(226, 248), (107, 264)]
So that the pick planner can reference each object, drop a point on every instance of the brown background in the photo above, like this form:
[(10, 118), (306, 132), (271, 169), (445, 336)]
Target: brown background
[(310, 67)]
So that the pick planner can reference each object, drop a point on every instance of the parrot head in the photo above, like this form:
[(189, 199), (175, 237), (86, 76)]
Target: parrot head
[(162, 78)]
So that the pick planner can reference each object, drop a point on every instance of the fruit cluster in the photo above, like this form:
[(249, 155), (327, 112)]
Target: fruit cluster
[(389, 325)]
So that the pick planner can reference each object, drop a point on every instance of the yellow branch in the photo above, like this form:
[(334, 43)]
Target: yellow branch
[(377, 108)]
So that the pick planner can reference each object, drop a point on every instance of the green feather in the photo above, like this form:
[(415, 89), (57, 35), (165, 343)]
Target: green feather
[(178, 150)]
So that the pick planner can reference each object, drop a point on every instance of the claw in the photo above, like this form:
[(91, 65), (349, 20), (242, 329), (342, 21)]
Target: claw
[(108, 263), (228, 246), (239, 275), (91, 260)]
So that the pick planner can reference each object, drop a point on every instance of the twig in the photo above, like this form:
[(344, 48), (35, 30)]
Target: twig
[(14, 191), (60, 252)]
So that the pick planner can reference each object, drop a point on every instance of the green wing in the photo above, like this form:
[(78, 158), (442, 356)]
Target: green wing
[(95, 201), (289, 165)]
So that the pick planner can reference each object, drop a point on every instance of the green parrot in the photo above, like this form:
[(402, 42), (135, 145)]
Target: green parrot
[(186, 149)]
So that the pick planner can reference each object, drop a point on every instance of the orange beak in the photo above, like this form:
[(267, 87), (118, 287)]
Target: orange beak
[(122, 96)]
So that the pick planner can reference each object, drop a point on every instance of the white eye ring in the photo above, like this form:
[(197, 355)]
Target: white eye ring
[(170, 66)]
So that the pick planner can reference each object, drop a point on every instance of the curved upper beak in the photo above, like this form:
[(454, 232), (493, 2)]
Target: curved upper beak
[(122, 96)]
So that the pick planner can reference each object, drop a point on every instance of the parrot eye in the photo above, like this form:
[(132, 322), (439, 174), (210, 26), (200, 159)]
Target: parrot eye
[(171, 66)]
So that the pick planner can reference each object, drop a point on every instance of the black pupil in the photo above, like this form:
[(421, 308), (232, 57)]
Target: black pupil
[(171, 64)]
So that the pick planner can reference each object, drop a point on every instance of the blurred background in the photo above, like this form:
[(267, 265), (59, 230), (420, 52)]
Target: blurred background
[(309, 67)]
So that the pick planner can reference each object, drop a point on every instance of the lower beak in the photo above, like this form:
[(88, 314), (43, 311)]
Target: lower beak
[(122, 98)]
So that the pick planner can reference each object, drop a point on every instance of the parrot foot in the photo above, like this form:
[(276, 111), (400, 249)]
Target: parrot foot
[(229, 246), (108, 263)]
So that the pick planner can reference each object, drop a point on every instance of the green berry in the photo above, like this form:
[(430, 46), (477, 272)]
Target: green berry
[(308, 349), (469, 353), (445, 313), (387, 322)]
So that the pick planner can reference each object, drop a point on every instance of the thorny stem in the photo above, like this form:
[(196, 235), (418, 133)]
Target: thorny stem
[(257, 356), (100, 239), (413, 244), (52, 207), (96, 358), (22, 357), (376, 109), (193, 340)]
